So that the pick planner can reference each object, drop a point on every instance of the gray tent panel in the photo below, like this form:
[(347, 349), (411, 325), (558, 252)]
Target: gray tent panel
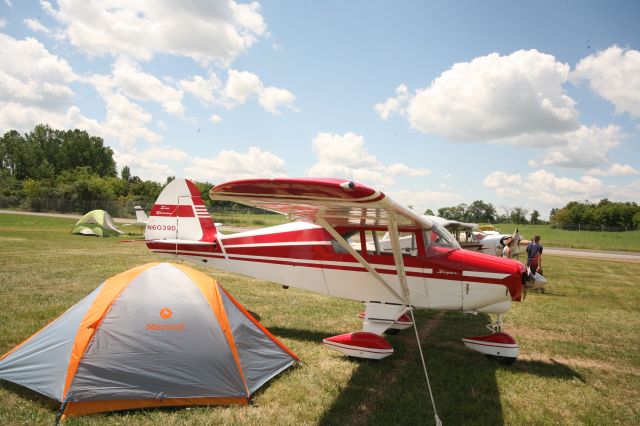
[(41, 362), (128, 356), (261, 357)]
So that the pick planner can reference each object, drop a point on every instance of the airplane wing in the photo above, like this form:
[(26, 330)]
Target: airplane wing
[(339, 202), (331, 203), (452, 224)]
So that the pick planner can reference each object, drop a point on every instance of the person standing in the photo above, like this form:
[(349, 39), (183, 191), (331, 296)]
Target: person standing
[(534, 255), (506, 251)]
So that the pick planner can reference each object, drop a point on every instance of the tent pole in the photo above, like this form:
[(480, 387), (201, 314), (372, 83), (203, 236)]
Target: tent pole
[(60, 412)]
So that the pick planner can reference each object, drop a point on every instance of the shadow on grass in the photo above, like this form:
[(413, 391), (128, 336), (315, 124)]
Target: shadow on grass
[(28, 394), (393, 391), (300, 334), (256, 316), (553, 369), (547, 293)]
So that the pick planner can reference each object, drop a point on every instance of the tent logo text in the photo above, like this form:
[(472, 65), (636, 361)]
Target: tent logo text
[(166, 327), (165, 313)]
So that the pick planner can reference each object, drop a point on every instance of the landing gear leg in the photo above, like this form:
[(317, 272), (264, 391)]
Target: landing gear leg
[(496, 327)]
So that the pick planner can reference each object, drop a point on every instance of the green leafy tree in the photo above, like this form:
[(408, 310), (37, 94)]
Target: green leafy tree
[(78, 149), (453, 213), (10, 187), (636, 220), (479, 211), (518, 215), (535, 217), (125, 173), (15, 157), (602, 215)]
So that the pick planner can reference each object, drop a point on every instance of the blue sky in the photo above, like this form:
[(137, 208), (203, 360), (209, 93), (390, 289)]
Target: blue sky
[(529, 104)]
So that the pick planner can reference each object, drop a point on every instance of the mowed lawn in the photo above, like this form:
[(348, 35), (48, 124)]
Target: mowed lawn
[(592, 240), (579, 343)]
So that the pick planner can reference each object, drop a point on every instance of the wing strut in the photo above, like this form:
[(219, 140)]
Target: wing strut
[(345, 245), (402, 277)]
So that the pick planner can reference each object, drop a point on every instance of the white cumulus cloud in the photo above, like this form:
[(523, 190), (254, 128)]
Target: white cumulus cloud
[(423, 200), (584, 148), (393, 105), (165, 154), (231, 165), (345, 156), (545, 187), (33, 77), (204, 89), (493, 98), (615, 169), (272, 98), (614, 74), (135, 83), (142, 166), (242, 85), (126, 121), (216, 31)]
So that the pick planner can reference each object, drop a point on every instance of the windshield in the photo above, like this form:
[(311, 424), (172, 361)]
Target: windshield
[(438, 236)]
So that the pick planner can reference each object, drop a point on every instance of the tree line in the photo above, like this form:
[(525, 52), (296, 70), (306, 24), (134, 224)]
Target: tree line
[(68, 165), (74, 166), (72, 171), (603, 215), (481, 212), (597, 216)]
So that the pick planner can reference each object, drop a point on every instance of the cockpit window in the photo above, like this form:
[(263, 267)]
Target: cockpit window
[(438, 236), (348, 236)]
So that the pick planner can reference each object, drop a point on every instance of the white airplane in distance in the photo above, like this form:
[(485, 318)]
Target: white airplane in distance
[(141, 219), (473, 237), (489, 242)]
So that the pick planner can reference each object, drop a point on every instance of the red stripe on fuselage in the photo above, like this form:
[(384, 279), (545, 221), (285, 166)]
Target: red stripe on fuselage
[(197, 252)]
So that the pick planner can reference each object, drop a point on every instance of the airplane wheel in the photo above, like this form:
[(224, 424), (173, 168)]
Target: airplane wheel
[(504, 360), (392, 331)]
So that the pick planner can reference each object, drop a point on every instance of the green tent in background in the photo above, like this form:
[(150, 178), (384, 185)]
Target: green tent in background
[(98, 223)]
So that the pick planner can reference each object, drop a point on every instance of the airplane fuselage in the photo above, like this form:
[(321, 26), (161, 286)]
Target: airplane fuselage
[(306, 256)]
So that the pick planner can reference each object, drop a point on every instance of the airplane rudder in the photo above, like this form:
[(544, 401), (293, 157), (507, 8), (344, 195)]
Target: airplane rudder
[(180, 213), (209, 229)]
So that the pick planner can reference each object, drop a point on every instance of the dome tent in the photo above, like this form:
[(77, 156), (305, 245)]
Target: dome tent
[(156, 335), (98, 223)]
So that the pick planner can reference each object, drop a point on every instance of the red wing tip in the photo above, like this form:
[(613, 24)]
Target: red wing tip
[(499, 338), (360, 339)]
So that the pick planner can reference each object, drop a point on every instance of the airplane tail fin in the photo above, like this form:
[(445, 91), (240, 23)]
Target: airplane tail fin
[(179, 215), (141, 216)]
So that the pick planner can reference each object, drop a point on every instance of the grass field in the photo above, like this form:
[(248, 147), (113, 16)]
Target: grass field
[(593, 240), (579, 343)]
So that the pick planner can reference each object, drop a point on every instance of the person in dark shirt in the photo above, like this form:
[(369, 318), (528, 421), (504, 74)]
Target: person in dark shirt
[(534, 256)]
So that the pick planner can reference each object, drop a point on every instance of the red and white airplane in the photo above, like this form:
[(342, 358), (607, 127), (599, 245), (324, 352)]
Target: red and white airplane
[(332, 247)]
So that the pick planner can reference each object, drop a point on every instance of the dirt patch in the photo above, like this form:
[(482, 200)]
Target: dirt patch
[(399, 364), (579, 363), (538, 334), (12, 239)]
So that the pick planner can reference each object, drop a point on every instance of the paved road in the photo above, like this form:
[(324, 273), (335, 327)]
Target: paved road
[(64, 215), (554, 251), (594, 254)]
